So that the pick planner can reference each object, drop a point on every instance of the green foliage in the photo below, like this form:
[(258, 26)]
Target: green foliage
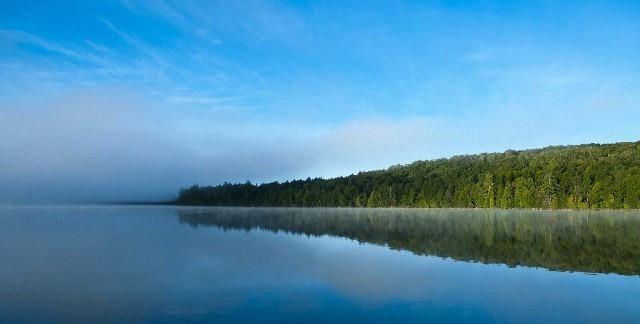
[(488, 191), (582, 176), (525, 193)]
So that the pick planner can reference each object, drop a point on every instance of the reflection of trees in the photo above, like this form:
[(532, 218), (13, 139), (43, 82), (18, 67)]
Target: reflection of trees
[(568, 241)]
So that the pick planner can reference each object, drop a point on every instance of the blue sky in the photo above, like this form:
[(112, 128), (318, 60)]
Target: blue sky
[(154, 95)]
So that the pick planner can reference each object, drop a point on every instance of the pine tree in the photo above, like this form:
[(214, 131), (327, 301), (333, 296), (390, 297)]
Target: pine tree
[(488, 190)]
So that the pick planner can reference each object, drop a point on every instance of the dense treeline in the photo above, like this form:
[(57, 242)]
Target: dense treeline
[(582, 176), (587, 241)]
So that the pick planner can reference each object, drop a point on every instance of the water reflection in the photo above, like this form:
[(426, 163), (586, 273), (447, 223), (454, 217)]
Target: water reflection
[(119, 264), (590, 241)]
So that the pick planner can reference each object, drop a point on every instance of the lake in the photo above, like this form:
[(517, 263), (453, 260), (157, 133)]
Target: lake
[(165, 264)]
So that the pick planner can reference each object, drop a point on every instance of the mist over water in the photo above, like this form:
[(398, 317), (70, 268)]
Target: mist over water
[(112, 146), (176, 264), (108, 109)]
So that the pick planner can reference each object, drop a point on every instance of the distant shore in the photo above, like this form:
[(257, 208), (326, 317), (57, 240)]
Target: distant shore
[(589, 176)]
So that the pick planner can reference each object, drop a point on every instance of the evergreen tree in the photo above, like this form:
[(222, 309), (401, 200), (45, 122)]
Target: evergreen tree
[(582, 176), (488, 190)]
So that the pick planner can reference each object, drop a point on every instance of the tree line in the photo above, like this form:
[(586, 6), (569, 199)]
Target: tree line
[(575, 177)]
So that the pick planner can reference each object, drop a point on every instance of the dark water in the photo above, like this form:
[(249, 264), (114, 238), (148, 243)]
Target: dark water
[(167, 264)]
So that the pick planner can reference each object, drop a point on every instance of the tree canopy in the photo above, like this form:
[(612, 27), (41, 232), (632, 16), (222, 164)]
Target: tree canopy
[(576, 177)]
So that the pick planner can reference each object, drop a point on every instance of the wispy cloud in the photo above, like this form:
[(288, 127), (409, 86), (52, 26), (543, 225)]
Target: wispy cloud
[(162, 93), (261, 20), (24, 38), (21, 37), (539, 75)]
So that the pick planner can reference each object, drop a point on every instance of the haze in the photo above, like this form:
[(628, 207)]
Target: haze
[(130, 101)]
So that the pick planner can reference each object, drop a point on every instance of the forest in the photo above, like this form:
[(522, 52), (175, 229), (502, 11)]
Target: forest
[(556, 177)]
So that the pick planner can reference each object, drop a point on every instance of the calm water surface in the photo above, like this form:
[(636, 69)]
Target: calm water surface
[(171, 264)]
